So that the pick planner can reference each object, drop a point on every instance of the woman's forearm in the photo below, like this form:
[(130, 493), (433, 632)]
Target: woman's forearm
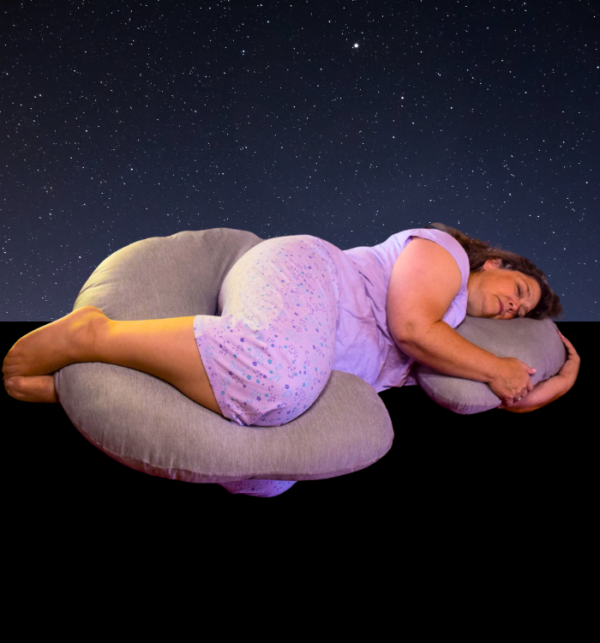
[(444, 350), (543, 393)]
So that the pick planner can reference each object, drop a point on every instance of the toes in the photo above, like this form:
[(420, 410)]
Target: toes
[(11, 386), (9, 371), (32, 389)]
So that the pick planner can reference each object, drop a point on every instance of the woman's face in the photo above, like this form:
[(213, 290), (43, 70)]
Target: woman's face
[(491, 287)]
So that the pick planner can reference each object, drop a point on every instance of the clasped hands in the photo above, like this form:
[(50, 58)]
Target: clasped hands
[(549, 390)]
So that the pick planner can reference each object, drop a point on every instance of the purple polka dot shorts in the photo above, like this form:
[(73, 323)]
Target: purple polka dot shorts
[(269, 354)]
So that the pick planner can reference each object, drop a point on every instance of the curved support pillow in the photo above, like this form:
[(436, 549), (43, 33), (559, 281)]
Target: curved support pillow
[(150, 426), (532, 341)]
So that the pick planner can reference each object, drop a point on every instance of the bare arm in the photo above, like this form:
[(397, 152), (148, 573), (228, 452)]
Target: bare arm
[(543, 393), (441, 348), (549, 390)]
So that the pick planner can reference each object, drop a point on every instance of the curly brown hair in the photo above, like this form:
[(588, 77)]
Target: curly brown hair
[(480, 251)]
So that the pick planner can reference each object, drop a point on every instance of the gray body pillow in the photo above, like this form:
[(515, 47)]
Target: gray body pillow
[(149, 425)]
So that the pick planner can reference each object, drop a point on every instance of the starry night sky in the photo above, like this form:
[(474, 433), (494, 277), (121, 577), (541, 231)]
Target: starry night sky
[(347, 120)]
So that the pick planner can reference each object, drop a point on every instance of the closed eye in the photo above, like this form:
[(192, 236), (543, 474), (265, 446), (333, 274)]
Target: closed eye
[(520, 291)]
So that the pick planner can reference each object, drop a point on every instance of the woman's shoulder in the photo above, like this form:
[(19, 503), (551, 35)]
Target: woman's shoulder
[(442, 238)]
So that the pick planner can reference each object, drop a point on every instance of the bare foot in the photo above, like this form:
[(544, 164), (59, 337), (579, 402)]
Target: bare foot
[(33, 389), (54, 346)]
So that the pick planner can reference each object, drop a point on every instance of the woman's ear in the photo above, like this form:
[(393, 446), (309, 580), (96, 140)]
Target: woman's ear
[(492, 263)]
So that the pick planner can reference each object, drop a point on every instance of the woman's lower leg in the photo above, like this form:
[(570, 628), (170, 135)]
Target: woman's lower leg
[(164, 348)]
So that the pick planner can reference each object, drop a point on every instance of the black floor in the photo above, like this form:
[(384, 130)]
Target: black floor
[(442, 466)]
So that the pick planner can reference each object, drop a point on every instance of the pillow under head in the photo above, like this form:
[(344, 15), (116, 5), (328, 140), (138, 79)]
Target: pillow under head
[(534, 342)]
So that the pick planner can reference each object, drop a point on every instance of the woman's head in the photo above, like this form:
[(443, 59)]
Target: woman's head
[(498, 275), (497, 293)]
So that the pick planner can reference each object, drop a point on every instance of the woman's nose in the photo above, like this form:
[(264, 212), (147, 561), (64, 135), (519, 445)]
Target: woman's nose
[(512, 307)]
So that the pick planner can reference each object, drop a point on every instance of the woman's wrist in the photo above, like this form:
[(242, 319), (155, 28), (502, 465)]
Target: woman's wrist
[(543, 393)]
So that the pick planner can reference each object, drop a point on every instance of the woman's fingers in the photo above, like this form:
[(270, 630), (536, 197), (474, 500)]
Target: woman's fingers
[(570, 348)]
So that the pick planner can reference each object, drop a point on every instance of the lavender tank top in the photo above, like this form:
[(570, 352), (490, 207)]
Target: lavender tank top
[(364, 345)]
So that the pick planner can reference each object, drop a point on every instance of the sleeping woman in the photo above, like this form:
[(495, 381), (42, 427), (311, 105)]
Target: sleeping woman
[(292, 309)]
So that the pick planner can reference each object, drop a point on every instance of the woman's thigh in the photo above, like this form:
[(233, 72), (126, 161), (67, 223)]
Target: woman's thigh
[(270, 353)]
